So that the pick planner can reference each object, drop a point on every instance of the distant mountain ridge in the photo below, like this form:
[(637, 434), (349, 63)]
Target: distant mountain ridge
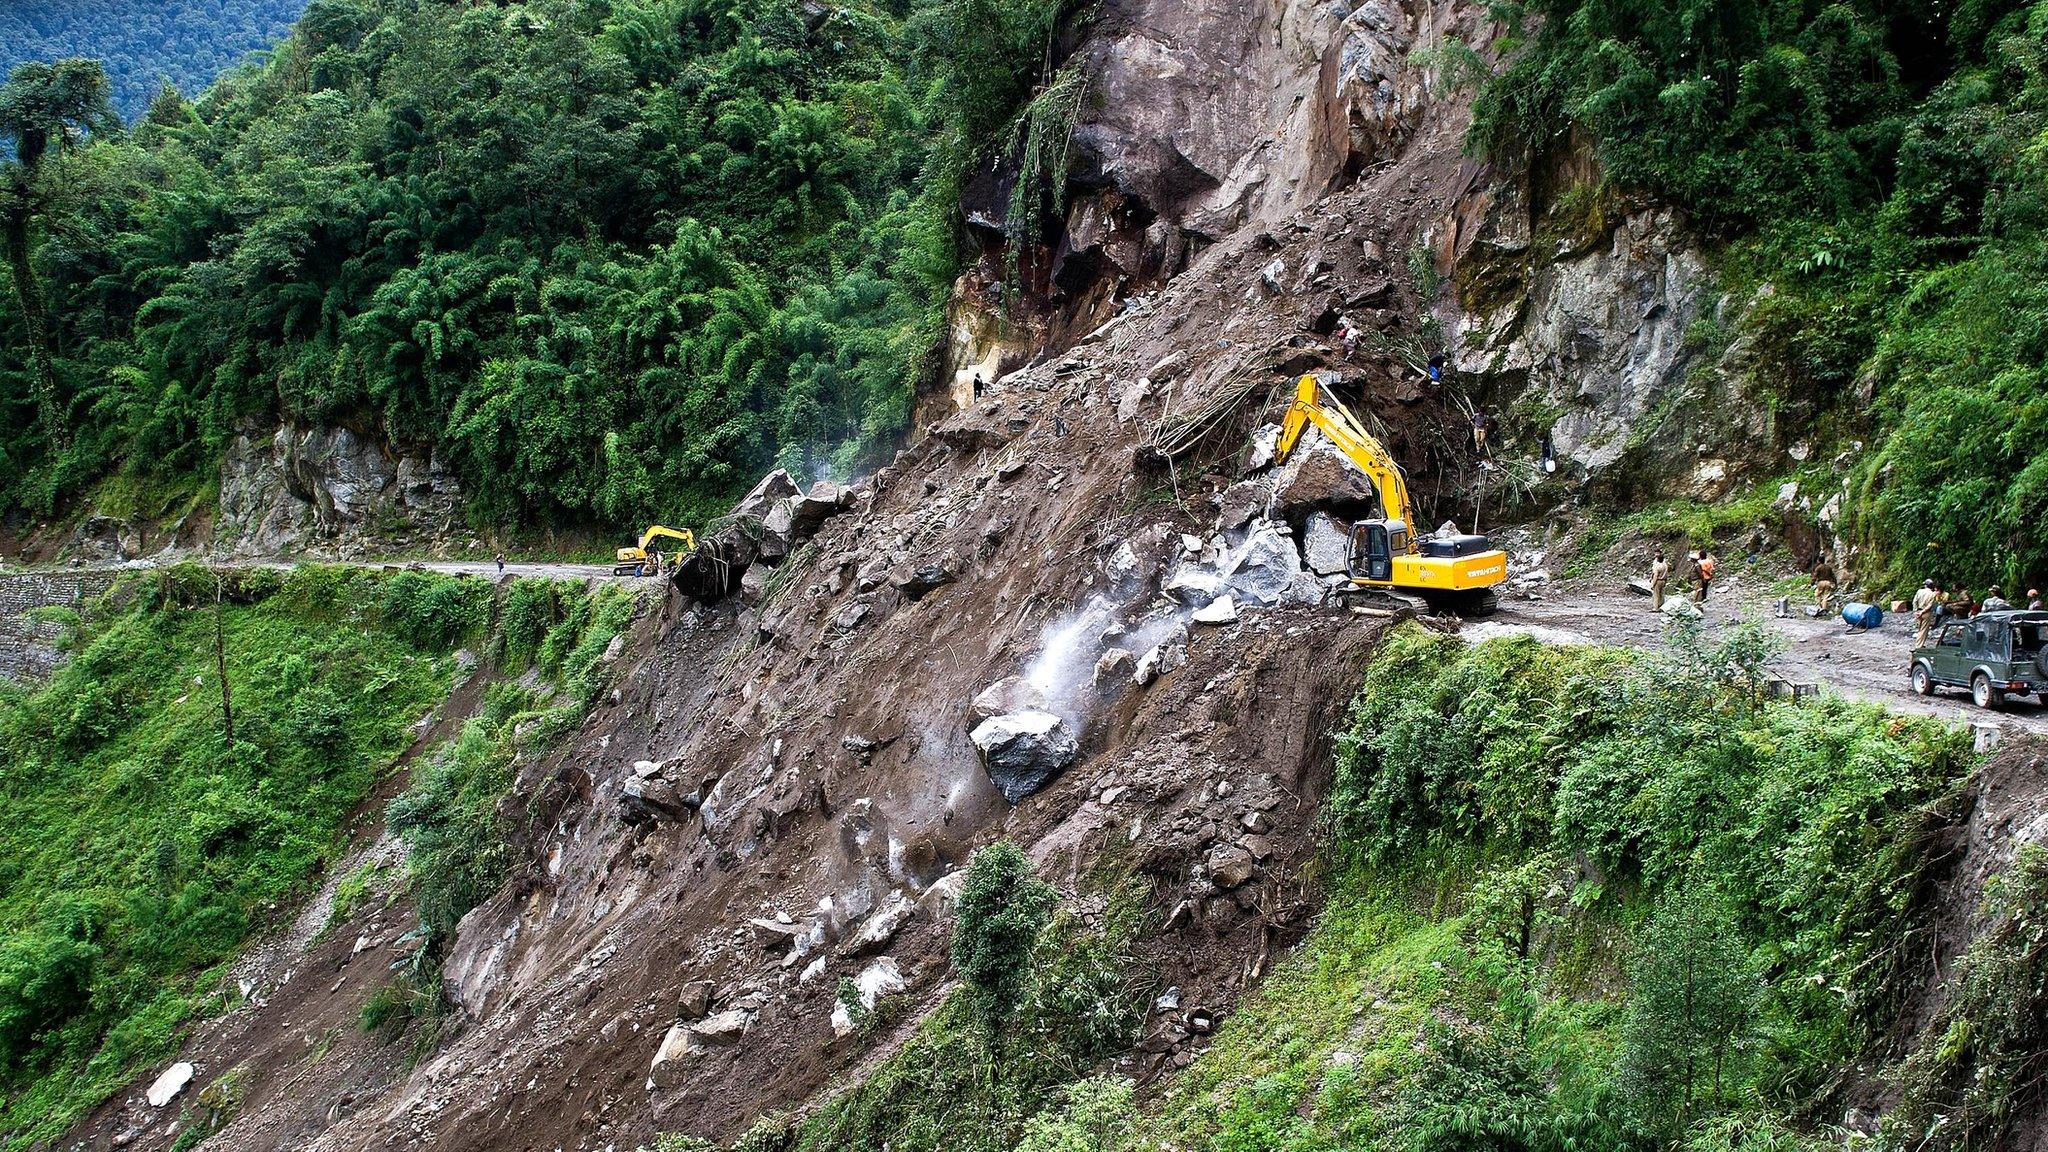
[(190, 42)]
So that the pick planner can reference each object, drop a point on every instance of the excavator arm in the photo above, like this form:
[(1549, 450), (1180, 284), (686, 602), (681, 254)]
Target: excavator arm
[(688, 538), (633, 561), (1450, 573), (1362, 448)]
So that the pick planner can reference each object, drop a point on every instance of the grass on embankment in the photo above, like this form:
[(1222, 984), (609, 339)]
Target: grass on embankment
[(139, 851), (1586, 899)]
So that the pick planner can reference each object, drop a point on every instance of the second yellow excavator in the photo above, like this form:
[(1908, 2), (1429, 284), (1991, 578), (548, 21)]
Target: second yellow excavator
[(1450, 573), (638, 561)]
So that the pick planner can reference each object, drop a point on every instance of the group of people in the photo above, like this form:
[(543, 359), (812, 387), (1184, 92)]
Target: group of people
[(1933, 603), (1700, 565)]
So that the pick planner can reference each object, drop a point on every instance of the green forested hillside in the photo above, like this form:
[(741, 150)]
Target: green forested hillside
[(144, 45), (1883, 168), (146, 832), (612, 257)]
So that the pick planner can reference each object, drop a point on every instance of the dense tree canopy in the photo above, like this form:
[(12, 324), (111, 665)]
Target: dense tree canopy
[(611, 258), (183, 42)]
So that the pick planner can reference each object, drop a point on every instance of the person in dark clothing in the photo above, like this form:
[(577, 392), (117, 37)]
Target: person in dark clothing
[(1483, 425), (1962, 605), (1823, 584), (501, 563), (980, 386)]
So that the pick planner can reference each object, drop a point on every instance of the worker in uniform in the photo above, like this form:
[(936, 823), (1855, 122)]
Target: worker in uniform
[(1923, 611), (1660, 575)]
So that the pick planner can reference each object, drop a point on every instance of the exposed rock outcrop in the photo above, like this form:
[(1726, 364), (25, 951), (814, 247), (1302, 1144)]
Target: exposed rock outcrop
[(290, 490)]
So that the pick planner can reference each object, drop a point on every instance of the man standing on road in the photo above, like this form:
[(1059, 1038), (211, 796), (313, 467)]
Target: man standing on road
[(1703, 571), (501, 563), (1923, 612), (1823, 585), (1660, 574)]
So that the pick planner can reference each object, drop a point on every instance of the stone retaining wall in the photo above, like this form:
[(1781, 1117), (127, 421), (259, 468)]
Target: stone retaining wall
[(28, 647)]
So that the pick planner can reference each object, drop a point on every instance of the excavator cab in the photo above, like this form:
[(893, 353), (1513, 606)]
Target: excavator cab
[(1373, 544)]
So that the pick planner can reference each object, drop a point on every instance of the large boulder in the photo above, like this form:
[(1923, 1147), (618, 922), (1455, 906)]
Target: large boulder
[(1025, 751), (1008, 695), (1193, 585), (678, 1046), (1264, 567), (795, 518), (1325, 546), (1321, 479), (757, 504)]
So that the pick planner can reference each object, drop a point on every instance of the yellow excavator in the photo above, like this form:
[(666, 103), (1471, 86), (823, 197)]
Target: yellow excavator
[(1449, 573), (638, 561)]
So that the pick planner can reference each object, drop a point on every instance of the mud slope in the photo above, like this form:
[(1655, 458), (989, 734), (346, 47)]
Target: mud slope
[(775, 793)]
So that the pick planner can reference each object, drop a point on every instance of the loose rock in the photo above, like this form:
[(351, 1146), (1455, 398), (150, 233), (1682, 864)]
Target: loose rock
[(694, 1002), (881, 927), (1010, 694), (1024, 751), (169, 1084), (1229, 866)]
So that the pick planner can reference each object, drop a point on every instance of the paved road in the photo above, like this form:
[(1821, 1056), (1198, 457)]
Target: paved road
[(1864, 665), (484, 568)]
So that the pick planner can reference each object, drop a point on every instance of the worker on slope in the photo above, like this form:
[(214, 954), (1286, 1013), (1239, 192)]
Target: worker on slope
[(1924, 602), (1823, 585), (1660, 574), (1483, 425)]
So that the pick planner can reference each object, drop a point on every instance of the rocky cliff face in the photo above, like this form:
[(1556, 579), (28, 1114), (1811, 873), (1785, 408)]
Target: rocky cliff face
[(1601, 326), (1593, 321), (293, 491)]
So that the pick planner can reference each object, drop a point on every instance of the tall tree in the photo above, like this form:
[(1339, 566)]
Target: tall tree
[(44, 108)]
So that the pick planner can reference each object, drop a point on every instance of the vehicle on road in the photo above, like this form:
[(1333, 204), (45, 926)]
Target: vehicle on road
[(1995, 655), (637, 560), (1456, 573)]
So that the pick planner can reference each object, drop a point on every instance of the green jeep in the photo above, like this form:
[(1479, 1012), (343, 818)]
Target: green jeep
[(1994, 655)]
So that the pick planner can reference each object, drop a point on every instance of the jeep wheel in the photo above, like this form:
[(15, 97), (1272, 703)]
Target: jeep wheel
[(1984, 694), (1923, 683)]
